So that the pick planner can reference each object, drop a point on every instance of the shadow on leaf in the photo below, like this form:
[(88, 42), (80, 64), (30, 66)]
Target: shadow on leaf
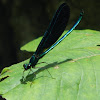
[(32, 77)]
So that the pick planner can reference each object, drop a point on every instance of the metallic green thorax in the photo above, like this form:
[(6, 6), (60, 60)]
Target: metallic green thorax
[(49, 40), (33, 61)]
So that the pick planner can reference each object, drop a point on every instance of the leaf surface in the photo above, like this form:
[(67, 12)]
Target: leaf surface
[(74, 65)]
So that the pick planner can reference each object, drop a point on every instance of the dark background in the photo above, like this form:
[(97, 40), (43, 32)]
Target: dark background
[(24, 20)]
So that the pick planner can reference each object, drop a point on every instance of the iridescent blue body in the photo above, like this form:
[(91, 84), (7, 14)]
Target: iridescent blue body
[(54, 31), (33, 62)]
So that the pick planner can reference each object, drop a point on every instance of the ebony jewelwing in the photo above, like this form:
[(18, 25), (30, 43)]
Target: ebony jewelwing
[(54, 31)]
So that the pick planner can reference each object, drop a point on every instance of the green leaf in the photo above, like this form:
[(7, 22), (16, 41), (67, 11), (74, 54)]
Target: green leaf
[(31, 46), (74, 65)]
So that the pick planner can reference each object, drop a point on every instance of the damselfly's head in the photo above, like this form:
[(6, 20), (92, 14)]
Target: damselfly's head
[(27, 66)]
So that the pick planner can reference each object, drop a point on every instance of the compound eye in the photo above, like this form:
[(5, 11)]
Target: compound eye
[(29, 66), (25, 66)]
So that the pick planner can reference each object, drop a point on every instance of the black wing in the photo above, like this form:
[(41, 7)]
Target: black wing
[(55, 29)]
